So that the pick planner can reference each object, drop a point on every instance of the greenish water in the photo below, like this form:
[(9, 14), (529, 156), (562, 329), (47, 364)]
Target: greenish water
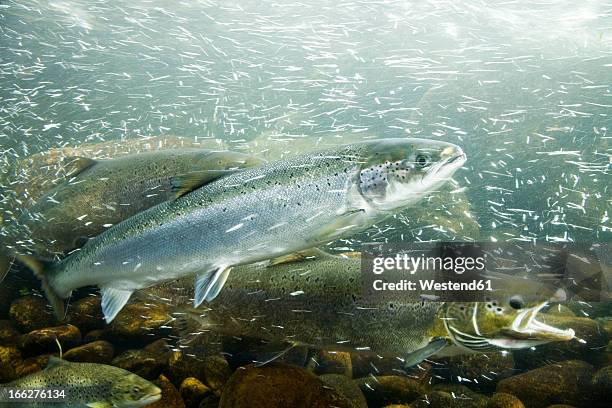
[(524, 88)]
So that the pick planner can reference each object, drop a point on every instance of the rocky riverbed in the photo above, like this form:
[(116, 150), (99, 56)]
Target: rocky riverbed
[(141, 340)]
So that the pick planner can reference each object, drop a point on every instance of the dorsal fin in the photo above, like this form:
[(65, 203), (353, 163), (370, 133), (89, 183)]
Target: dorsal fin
[(56, 362), (77, 164), (186, 183)]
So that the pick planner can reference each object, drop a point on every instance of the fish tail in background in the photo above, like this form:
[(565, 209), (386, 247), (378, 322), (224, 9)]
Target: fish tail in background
[(41, 269), (190, 326), (6, 262)]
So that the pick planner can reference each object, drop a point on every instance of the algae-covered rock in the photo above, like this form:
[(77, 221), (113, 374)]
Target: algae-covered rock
[(140, 321), (216, 372), (45, 340), (602, 382), (212, 370), (171, 398), (9, 335), (347, 387), (31, 313), (503, 400), (146, 364), (456, 397), (10, 358), (560, 383), (331, 362), (34, 364), (100, 352), (8, 290), (389, 389), (95, 335), (279, 385), (193, 391), (86, 314)]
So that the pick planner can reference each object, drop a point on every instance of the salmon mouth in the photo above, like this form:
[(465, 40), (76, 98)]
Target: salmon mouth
[(526, 330), (154, 396)]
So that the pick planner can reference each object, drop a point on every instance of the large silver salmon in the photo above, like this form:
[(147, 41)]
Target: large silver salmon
[(260, 213)]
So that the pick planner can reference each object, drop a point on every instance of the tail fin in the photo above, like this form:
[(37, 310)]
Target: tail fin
[(6, 261), (41, 269)]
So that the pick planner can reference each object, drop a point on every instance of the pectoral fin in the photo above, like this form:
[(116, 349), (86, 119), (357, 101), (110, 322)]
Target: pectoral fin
[(274, 356), (343, 222), (113, 301), (209, 284), (185, 183), (434, 346)]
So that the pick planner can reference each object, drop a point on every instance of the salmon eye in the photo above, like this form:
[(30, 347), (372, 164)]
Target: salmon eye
[(516, 302), (422, 160)]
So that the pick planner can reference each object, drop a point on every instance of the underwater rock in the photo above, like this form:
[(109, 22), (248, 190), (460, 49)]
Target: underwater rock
[(279, 385), (559, 383), (216, 372), (31, 365), (210, 401), (213, 370), (95, 335), (86, 314), (602, 382), (45, 340), (456, 397), (193, 392), (479, 367), (10, 357), (182, 365), (560, 406), (146, 364), (606, 326), (503, 400), (331, 362), (100, 352), (389, 389), (9, 335), (8, 293), (138, 321), (171, 398), (347, 387), (31, 313)]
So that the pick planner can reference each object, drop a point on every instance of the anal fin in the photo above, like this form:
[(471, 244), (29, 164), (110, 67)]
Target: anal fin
[(113, 301), (209, 284)]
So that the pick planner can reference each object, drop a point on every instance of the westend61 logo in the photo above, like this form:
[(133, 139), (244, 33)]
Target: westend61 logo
[(452, 271)]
